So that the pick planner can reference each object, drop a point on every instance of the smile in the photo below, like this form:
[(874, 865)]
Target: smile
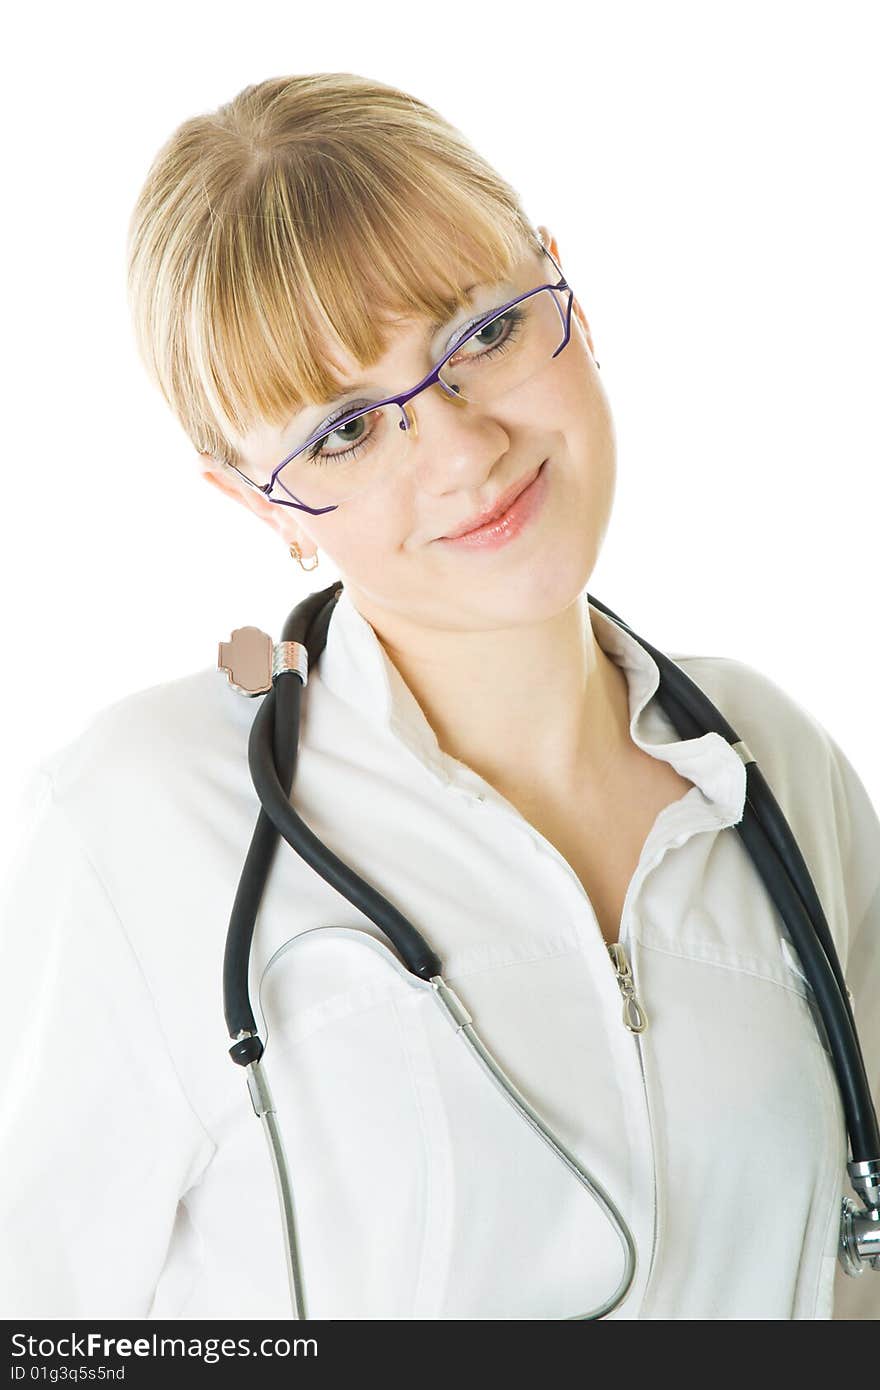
[(503, 529)]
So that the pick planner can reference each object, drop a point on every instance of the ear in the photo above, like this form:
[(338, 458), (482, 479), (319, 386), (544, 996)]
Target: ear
[(550, 243), (278, 518), (227, 482)]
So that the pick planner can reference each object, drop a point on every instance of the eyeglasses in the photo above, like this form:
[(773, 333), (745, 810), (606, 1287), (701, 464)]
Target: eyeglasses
[(353, 449)]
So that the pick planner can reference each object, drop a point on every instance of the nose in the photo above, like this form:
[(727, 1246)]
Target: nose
[(454, 443), (409, 409)]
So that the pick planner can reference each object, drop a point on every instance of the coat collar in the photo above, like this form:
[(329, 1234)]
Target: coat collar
[(356, 668)]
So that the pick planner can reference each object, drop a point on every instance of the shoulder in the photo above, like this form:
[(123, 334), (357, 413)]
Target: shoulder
[(821, 793), (151, 744), (794, 750), (750, 699)]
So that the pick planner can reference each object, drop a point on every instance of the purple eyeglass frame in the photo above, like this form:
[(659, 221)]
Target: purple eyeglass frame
[(432, 377)]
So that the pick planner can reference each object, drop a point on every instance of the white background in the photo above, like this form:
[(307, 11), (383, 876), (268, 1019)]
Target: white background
[(710, 173)]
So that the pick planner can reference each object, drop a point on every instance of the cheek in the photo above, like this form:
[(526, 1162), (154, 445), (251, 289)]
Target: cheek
[(596, 445), (583, 412), (365, 537), (597, 426)]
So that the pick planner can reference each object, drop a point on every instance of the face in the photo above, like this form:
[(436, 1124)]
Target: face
[(386, 542)]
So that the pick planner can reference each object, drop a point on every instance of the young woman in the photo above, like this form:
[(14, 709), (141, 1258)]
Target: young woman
[(478, 741)]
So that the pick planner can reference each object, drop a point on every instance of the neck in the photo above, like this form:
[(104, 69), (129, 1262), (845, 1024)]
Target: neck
[(532, 708)]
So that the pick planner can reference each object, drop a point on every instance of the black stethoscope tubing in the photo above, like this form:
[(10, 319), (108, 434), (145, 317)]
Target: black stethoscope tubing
[(272, 754)]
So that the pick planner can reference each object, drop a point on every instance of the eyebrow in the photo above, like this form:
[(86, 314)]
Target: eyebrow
[(436, 324)]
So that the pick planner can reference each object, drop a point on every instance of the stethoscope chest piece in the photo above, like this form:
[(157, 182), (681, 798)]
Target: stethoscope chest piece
[(252, 660), (247, 660)]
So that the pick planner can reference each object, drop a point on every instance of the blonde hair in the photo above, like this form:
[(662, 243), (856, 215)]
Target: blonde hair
[(286, 219)]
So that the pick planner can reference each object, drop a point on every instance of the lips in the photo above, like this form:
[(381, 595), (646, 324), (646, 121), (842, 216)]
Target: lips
[(498, 508)]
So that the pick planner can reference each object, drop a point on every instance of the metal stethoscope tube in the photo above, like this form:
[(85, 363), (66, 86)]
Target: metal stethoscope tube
[(272, 753)]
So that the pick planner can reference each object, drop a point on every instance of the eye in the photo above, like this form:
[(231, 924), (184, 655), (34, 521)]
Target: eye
[(467, 328), (349, 408), (355, 434), (494, 337)]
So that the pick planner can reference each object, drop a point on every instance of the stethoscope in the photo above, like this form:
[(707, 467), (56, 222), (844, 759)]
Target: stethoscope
[(256, 666)]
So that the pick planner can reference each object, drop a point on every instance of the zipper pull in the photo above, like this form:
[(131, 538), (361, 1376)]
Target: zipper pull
[(634, 1017)]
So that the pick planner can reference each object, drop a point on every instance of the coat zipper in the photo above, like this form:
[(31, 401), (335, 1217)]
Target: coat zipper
[(635, 1020), (634, 1017)]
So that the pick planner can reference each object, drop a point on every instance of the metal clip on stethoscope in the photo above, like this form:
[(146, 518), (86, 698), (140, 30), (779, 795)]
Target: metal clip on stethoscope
[(256, 666)]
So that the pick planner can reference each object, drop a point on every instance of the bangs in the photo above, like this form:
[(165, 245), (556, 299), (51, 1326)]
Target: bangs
[(305, 264), (285, 231)]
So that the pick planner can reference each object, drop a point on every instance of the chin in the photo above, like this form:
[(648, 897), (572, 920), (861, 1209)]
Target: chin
[(546, 583)]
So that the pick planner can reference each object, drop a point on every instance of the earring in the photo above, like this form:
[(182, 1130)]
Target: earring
[(297, 555)]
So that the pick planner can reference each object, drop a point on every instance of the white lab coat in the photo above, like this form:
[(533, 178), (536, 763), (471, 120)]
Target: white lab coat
[(136, 1177)]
